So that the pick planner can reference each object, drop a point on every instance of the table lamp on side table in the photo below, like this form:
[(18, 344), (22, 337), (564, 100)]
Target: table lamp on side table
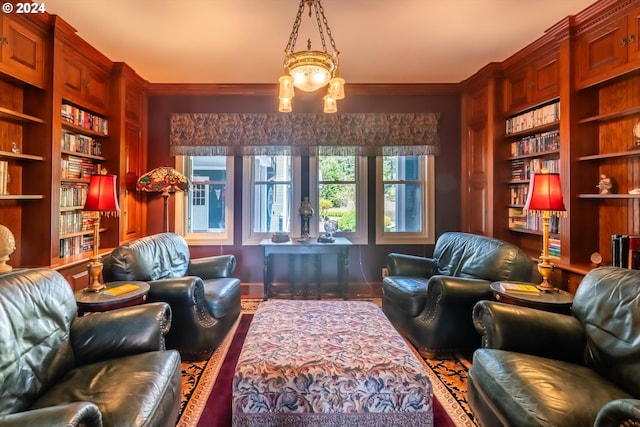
[(102, 199), (165, 180), (545, 197)]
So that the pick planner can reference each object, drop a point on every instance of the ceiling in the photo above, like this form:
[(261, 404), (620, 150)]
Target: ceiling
[(242, 41)]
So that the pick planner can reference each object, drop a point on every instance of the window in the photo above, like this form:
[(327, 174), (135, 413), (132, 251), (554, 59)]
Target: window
[(339, 192), (405, 200), (270, 196), (204, 215)]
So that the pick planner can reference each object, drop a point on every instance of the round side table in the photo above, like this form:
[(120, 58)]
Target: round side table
[(558, 302), (99, 301)]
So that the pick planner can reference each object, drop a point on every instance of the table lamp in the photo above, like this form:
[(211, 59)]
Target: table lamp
[(165, 180), (102, 199), (545, 198)]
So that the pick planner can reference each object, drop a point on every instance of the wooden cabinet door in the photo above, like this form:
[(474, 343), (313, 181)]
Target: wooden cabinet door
[(517, 86), (601, 51), (545, 76), (633, 36), (133, 103), (132, 220), (85, 85), (22, 52)]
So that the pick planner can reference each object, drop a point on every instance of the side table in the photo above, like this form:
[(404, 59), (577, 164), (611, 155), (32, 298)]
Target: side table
[(558, 302), (99, 301)]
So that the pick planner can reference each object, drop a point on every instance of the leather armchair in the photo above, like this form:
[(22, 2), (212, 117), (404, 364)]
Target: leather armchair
[(58, 369), (203, 295), (538, 368), (430, 300)]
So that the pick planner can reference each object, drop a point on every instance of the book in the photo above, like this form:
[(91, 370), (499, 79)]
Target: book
[(634, 253), (518, 288), (122, 289)]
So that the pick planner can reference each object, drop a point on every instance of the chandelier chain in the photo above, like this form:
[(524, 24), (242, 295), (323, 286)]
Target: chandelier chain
[(318, 8), (293, 37), (326, 25)]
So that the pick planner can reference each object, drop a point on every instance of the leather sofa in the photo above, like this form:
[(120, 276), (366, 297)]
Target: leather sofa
[(539, 368), (430, 300), (203, 295), (105, 369)]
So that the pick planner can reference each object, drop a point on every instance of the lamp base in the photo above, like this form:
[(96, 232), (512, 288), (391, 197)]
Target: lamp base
[(545, 268), (95, 271)]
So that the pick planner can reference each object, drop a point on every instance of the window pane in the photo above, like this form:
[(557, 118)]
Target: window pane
[(396, 168), (272, 192), (206, 211), (402, 208), (337, 192)]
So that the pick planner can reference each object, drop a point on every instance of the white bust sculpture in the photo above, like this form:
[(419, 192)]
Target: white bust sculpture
[(7, 246)]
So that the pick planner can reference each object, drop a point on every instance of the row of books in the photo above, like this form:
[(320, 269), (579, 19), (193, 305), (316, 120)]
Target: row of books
[(520, 220), (80, 144), (523, 169), (539, 117), (538, 143), (4, 177), (77, 167), (73, 195), (554, 247), (76, 245), (73, 222), (625, 251), (519, 194), (84, 119)]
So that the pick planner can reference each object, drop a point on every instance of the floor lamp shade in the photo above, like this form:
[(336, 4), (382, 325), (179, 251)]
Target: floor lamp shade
[(102, 198), (545, 198), (165, 180)]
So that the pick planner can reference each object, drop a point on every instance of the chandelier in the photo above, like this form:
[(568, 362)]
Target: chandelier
[(310, 70)]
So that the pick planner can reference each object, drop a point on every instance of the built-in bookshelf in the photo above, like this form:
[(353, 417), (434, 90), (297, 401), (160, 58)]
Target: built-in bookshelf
[(534, 143), (81, 139)]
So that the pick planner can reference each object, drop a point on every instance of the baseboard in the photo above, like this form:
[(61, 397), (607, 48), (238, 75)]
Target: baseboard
[(356, 290)]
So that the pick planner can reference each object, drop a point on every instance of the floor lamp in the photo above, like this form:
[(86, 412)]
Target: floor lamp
[(545, 198), (102, 199), (165, 180)]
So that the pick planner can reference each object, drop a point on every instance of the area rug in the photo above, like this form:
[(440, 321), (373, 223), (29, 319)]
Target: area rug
[(206, 385)]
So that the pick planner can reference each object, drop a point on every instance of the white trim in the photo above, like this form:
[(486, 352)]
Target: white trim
[(181, 218), (427, 236), (361, 235), (248, 236)]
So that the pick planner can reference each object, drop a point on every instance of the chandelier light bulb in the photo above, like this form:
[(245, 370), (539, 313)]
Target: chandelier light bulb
[(286, 87), (336, 88), (330, 104), (285, 105)]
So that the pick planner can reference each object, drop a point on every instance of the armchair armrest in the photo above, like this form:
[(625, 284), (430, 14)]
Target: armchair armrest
[(411, 265), (100, 336), (85, 414), (620, 412), (531, 331), (212, 267)]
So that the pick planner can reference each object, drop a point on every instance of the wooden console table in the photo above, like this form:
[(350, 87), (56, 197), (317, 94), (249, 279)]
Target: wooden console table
[(310, 248)]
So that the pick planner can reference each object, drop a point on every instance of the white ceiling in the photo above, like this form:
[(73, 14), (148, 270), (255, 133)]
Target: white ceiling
[(243, 41)]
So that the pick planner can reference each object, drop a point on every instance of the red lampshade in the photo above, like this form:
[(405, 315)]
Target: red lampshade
[(545, 193), (102, 195)]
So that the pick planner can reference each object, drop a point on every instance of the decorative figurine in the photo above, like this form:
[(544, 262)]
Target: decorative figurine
[(306, 212), (14, 148), (605, 185)]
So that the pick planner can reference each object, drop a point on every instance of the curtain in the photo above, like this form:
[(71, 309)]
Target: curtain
[(365, 134)]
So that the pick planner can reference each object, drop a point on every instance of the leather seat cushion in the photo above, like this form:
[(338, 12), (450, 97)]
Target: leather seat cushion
[(407, 293), (222, 296), (118, 386), (531, 390)]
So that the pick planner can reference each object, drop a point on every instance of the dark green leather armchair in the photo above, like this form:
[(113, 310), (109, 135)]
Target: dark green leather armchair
[(546, 369), (106, 369), (430, 300), (203, 295)]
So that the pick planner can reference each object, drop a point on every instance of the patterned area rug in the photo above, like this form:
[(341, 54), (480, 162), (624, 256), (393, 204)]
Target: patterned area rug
[(448, 378)]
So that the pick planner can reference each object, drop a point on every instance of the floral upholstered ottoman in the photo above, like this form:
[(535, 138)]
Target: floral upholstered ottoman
[(328, 363)]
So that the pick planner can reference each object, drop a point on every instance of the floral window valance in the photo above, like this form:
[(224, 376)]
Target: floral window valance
[(370, 134)]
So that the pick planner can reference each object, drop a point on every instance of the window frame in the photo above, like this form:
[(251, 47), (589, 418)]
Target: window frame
[(181, 208), (427, 235), (249, 237), (361, 235)]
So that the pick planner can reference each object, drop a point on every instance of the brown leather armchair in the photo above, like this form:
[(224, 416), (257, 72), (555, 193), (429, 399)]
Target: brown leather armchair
[(106, 369), (430, 300), (538, 368), (203, 295)]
